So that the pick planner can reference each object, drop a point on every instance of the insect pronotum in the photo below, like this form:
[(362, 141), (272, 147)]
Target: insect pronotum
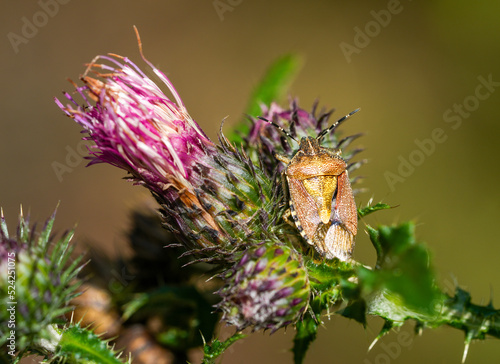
[(320, 195)]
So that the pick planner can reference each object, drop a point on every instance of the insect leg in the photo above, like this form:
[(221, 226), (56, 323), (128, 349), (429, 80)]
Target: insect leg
[(282, 158), (287, 217)]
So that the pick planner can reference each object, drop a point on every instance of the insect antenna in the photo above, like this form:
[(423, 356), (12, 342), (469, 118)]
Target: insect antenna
[(286, 132), (335, 125)]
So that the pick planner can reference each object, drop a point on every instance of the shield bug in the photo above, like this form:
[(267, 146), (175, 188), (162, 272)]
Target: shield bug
[(320, 195)]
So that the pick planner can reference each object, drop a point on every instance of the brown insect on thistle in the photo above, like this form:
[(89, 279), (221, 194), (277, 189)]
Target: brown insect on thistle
[(320, 196)]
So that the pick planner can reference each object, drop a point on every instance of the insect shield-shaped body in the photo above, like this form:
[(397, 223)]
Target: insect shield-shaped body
[(320, 196)]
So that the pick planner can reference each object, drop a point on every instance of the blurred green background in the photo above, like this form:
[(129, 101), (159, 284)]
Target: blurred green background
[(406, 64)]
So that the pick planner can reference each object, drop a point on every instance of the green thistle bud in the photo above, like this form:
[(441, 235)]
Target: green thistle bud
[(43, 281), (266, 288)]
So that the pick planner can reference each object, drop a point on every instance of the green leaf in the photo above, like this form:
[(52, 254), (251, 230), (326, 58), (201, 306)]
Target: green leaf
[(368, 209), (375, 239), (306, 331), (272, 87), (275, 82), (79, 345), (356, 311), (403, 276), (326, 275), (216, 348)]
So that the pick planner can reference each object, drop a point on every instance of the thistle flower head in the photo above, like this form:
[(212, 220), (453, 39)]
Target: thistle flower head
[(265, 140), (208, 193), (44, 282), (267, 288), (136, 127)]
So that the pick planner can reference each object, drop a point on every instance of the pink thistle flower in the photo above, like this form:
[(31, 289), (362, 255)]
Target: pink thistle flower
[(211, 195), (136, 127)]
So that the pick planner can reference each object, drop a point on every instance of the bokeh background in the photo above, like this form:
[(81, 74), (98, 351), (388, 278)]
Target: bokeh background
[(406, 73)]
